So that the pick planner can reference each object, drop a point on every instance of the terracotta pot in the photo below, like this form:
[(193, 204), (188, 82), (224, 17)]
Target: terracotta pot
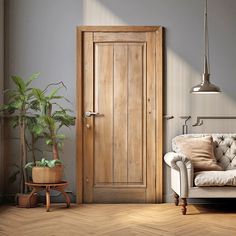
[(24, 202), (47, 175)]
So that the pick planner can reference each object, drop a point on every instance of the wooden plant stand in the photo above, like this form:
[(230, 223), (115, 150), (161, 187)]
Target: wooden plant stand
[(60, 187)]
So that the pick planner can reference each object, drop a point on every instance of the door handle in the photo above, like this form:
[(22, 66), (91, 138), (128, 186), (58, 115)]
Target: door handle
[(91, 113)]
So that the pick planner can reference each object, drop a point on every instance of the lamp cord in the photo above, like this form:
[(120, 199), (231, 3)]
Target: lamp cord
[(206, 40)]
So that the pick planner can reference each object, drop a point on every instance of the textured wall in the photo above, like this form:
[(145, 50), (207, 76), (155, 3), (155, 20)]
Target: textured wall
[(41, 37)]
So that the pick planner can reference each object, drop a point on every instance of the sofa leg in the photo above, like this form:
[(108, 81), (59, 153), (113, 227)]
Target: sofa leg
[(176, 199), (184, 206)]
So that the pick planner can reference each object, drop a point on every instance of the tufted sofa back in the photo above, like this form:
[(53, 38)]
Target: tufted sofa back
[(224, 148)]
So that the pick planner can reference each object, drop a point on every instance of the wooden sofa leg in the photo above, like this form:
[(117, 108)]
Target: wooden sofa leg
[(176, 199), (184, 206)]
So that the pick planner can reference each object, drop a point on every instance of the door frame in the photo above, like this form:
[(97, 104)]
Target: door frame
[(159, 70)]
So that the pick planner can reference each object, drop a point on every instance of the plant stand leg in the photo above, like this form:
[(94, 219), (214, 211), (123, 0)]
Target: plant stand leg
[(48, 199), (67, 198), (184, 206), (34, 190), (176, 199), (62, 190)]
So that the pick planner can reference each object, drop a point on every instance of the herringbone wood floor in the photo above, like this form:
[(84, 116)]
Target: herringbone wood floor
[(118, 219)]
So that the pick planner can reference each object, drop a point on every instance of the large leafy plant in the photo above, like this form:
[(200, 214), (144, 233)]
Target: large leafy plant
[(19, 109), (52, 116), (38, 114)]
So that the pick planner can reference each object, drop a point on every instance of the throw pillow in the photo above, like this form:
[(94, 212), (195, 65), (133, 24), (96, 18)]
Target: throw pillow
[(200, 151)]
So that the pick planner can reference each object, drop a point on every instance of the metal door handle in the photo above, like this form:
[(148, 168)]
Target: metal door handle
[(91, 113)]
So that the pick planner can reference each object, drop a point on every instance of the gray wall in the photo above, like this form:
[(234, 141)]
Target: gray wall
[(41, 37), (1, 90)]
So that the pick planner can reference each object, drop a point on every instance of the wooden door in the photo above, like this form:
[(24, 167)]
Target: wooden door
[(121, 93)]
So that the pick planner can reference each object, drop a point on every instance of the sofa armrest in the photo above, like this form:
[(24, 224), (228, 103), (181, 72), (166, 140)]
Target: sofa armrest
[(172, 158), (184, 177)]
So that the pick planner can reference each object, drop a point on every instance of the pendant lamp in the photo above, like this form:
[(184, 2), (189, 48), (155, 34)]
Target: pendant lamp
[(205, 87)]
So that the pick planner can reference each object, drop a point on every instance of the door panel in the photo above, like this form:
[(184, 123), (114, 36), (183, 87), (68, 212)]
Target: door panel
[(103, 126), (120, 114), (118, 133), (119, 156), (136, 82), (119, 37)]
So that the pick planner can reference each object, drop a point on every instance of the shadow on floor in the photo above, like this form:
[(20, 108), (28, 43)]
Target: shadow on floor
[(219, 208)]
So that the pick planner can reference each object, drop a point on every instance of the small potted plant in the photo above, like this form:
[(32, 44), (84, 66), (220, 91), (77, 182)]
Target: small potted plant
[(50, 119), (46, 171)]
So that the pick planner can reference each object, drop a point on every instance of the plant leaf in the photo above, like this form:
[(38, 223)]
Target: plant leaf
[(20, 83), (32, 78), (13, 176), (53, 163), (49, 141), (38, 93), (29, 165), (60, 136), (54, 92)]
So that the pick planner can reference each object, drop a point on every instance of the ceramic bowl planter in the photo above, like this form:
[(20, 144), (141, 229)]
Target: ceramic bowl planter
[(47, 174)]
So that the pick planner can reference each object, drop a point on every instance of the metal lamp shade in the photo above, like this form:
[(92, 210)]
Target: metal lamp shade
[(205, 87)]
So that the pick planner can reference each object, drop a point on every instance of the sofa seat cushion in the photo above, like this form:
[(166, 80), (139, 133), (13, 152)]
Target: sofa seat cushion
[(215, 178)]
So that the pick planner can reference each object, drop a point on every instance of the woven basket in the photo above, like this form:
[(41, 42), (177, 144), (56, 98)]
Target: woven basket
[(46, 175)]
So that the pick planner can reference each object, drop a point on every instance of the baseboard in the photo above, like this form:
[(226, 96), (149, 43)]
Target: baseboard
[(168, 198), (217, 201), (57, 197)]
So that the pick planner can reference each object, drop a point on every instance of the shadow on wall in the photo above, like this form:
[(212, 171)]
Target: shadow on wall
[(183, 20), (170, 14), (41, 36)]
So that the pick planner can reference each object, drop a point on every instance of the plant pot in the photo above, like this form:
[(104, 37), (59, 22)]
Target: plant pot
[(46, 175), (24, 202)]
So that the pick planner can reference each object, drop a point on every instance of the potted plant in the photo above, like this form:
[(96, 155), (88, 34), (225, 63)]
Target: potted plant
[(18, 108), (46, 171), (51, 118)]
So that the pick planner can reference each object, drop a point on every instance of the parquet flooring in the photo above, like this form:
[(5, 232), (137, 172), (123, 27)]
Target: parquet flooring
[(118, 219)]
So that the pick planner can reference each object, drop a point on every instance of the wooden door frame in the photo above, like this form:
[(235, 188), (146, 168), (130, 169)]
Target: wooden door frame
[(159, 101)]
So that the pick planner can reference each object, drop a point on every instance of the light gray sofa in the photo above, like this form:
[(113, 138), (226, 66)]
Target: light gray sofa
[(206, 184)]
